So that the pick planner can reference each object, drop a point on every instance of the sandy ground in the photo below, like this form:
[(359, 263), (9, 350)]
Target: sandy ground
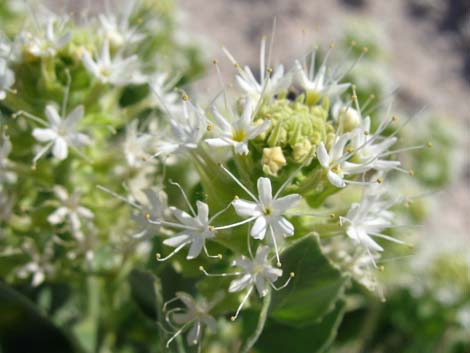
[(426, 62)]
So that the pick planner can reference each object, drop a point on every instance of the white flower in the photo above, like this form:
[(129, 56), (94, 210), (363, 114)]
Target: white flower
[(117, 28), (239, 132), (48, 42), (188, 126), (270, 83), (368, 219), (70, 210), (267, 211), (196, 314), (40, 265), (134, 145), (61, 133), (334, 160), (194, 231), (316, 83), (163, 88), (372, 147), (257, 272), (155, 208), (117, 71), (7, 78)]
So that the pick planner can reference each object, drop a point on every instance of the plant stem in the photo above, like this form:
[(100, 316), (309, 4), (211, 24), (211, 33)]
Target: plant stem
[(259, 328)]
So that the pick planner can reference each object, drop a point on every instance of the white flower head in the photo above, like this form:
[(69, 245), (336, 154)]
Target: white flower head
[(40, 266), (267, 211), (317, 83), (6, 174), (60, 133), (70, 210), (134, 145), (239, 132), (117, 71), (7, 78), (188, 126), (162, 87), (196, 314), (270, 83)]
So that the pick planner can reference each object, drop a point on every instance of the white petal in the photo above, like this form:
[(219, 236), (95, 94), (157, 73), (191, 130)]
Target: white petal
[(85, 212), (182, 216), (259, 228), (219, 118), (194, 334), (284, 203), (240, 284), (196, 247), (336, 180), (60, 149), (246, 117), (58, 216), (53, 115), (260, 284), (176, 240), (202, 212), (245, 208), (74, 116), (265, 191), (323, 156), (44, 135), (218, 142)]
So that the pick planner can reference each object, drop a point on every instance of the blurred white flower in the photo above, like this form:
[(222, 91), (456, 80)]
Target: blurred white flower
[(51, 37), (7, 78), (196, 315), (117, 71), (40, 266)]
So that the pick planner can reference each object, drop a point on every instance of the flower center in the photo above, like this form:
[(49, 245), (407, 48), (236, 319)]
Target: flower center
[(105, 72), (239, 135), (268, 211)]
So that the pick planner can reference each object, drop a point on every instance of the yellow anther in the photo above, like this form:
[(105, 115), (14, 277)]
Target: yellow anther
[(33, 167), (332, 45), (147, 216), (140, 20), (354, 98), (381, 268), (365, 50), (215, 61), (201, 268), (292, 274), (185, 97), (236, 65), (236, 197), (211, 228), (366, 132), (279, 264), (269, 70), (380, 180), (210, 127), (332, 216), (158, 255), (411, 172), (394, 118), (429, 145), (372, 96), (233, 318), (350, 149), (353, 43), (220, 256)]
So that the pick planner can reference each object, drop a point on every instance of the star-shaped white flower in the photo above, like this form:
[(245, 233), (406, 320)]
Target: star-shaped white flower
[(267, 211), (50, 39), (270, 83), (61, 133), (257, 272), (188, 126), (117, 71), (316, 83), (6, 174), (196, 315), (71, 210), (239, 132), (156, 207), (368, 219), (195, 230)]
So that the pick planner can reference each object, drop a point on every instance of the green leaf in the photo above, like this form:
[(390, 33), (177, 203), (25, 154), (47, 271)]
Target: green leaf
[(24, 329), (143, 292), (313, 291), (315, 338)]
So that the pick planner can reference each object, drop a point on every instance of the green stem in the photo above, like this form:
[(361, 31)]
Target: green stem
[(259, 328)]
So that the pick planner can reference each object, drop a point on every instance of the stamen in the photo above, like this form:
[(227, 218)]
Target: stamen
[(245, 298), (184, 196), (218, 256), (29, 116), (236, 224), (291, 275), (119, 197), (203, 270), (240, 183), (177, 333), (214, 217), (275, 246), (158, 256)]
